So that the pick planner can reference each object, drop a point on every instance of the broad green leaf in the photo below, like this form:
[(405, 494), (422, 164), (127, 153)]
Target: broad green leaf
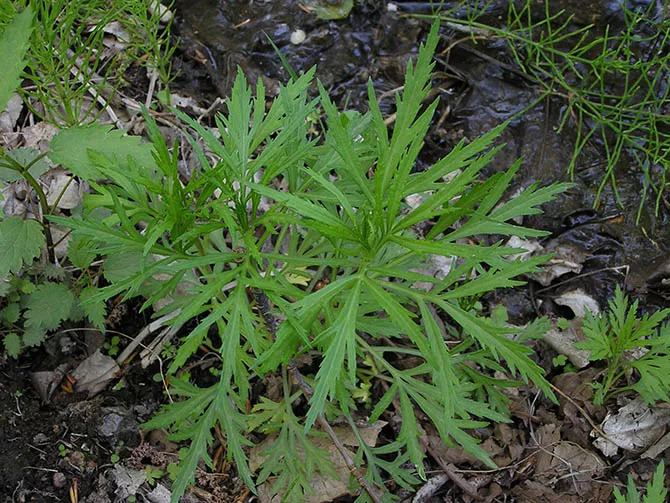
[(120, 266), (34, 336), (70, 148), (12, 344), (21, 241), (14, 43), (331, 9), (11, 313), (48, 306)]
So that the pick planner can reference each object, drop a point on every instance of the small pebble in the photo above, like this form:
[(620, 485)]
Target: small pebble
[(298, 37), (59, 480), (391, 7)]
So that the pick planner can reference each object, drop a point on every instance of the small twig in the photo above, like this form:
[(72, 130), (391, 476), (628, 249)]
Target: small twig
[(450, 472), (581, 410), (150, 328), (153, 76), (351, 466), (215, 104), (429, 489), (583, 275)]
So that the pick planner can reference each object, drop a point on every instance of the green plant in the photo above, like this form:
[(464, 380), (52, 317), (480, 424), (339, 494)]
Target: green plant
[(66, 65), (35, 295), (612, 82), (290, 244), (62, 450), (655, 493), (153, 475), (112, 346), (628, 343)]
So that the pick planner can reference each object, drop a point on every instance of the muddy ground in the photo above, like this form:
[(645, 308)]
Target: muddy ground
[(63, 445)]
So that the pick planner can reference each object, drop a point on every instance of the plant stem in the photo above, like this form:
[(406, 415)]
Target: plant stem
[(44, 206), (351, 466)]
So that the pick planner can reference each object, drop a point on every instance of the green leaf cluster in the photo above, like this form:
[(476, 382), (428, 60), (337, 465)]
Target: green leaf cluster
[(627, 342), (67, 64), (655, 493), (285, 243), (30, 304)]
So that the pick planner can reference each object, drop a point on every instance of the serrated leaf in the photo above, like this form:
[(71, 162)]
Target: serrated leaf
[(34, 336), (13, 46), (22, 241), (11, 312), (12, 344), (96, 310), (70, 148), (48, 306), (409, 433), (81, 251), (343, 334)]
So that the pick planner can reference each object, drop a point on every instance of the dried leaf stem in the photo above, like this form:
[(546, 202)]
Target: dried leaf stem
[(351, 466)]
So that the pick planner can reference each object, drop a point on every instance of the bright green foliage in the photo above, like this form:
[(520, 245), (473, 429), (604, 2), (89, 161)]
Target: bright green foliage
[(22, 241), (655, 493), (271, 211), (291, 459), (13, 45), (64, 63), (93, 309), (625, 341), (30, 308), (48, 305), (25, 156), (69, 149)]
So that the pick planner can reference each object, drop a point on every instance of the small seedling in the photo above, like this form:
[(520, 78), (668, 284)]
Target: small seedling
[(153, 474), (626, 342), (112, 346)]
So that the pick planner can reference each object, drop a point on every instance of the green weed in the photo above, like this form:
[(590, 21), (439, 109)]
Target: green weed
[(291, 245), (655, 493), (37, 296), (70, 80), (626, 342)]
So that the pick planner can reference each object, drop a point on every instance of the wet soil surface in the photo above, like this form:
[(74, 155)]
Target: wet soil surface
[(71, 442)]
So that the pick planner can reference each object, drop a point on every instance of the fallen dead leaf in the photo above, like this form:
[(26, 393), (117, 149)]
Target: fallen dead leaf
[(578, 301), (11, 113), (93, 374), (64, 190), (634, 428), (563, 342)]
